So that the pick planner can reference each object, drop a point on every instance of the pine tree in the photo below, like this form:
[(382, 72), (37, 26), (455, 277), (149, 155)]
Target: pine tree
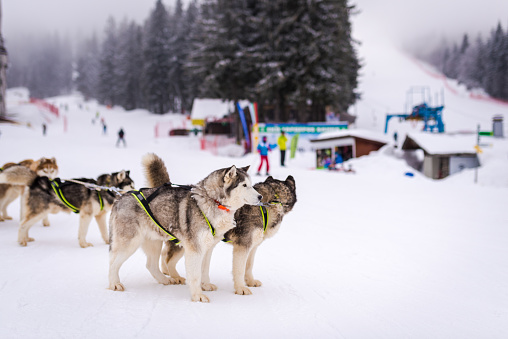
[(49, 69), (495, 81), (452, 63), (87, 80), (109, 90), (470, 71), (157, 57), (3, 67), (130, 57), (190, 82)]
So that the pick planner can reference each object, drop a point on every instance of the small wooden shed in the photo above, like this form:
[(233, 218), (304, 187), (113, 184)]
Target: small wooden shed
[(444, 154), (346, 144)]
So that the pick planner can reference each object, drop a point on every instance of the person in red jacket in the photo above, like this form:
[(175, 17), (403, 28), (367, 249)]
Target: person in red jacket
[(263, 149)]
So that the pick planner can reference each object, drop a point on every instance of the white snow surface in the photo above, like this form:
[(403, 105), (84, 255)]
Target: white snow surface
[(375, 254)]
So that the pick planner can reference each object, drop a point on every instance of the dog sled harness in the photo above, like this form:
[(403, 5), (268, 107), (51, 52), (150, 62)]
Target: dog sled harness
[(56, 185), (145, 204), (264, 214), (140, 197), (58, 191)]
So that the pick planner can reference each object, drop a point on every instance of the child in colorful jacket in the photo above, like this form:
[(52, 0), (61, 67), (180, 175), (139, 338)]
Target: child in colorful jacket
[(263, 149)]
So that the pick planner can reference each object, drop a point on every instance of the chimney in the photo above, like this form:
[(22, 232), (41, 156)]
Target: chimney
[(497, 126)]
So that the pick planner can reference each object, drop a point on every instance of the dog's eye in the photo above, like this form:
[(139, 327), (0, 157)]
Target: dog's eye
[(244, 185)]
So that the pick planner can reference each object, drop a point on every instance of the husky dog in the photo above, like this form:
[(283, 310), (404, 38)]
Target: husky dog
[(253, 226), (9, 193), (196, 217), (45, 196)]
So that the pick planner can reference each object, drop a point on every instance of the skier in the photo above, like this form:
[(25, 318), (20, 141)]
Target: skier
[(121, 135)]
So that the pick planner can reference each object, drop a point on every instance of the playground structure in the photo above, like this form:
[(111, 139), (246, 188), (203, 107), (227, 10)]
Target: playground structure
[(431, 116)]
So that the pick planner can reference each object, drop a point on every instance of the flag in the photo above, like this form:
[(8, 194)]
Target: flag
[(294, 145)]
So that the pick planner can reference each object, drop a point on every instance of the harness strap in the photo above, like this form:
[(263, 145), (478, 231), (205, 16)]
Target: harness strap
[(208, 222), (101, 202), (58, 192), (144, 203), (264, 213)]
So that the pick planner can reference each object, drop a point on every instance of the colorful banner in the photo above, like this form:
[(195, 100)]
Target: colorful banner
[(244, 124), (310, 128)]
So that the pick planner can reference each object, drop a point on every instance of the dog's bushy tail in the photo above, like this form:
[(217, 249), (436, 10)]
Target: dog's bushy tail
[(155, 170), (17, 175)]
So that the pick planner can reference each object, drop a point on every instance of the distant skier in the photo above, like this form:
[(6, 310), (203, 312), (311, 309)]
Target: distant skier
[(104, 127), (44, 127), (121, 135)]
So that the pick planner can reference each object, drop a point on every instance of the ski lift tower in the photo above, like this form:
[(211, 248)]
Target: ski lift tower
[(421, 111)]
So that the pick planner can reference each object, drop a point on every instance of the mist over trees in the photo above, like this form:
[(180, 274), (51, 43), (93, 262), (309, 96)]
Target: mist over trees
[(44, 65), (293, 57), (476, 64)]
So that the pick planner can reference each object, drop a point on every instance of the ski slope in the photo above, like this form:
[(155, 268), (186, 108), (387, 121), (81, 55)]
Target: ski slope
[(374, 254)]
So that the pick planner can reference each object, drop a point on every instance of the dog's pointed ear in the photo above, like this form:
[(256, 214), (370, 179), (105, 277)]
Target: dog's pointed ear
[(290, 181), (246, 168), (53, 160), (121, 175), (128, 173), (230, 174), (270, 178)]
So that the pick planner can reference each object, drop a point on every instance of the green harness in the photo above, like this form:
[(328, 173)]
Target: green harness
[(264, 214), (56, 184), (145, 204), (140, 197)]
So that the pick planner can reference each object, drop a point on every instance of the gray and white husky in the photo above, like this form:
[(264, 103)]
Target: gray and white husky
[(196, 217), (44, 196), (254, 225)]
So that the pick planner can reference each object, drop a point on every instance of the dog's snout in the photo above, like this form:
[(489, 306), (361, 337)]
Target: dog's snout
[(260, 197)]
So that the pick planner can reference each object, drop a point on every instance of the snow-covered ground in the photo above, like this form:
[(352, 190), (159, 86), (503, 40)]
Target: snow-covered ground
[(375, 254)]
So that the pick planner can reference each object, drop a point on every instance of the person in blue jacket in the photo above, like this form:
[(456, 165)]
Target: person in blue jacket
[(263, 149)]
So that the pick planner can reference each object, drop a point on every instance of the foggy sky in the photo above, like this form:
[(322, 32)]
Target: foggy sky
[(71, 17), (412, 19), (400, 19)]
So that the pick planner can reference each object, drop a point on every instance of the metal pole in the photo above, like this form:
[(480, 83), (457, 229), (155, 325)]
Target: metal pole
[(477, 145)]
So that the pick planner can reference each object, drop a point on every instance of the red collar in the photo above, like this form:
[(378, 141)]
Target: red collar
[(221, 207)]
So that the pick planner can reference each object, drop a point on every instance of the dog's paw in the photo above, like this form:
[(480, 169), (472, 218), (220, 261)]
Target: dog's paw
[(201, 298), (242, 290), (179, 281), (25, 240), (254, 283), (46, 223), (2, 219), (208, 287), (85, 244), (7, 217), (167, 281), (117, 287)]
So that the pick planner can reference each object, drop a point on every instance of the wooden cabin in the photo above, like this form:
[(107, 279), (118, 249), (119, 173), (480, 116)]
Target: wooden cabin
[(340, 146), (444, 154)]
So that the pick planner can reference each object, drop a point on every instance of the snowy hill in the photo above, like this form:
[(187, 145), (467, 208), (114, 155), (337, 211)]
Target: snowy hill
[(374, 254)]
